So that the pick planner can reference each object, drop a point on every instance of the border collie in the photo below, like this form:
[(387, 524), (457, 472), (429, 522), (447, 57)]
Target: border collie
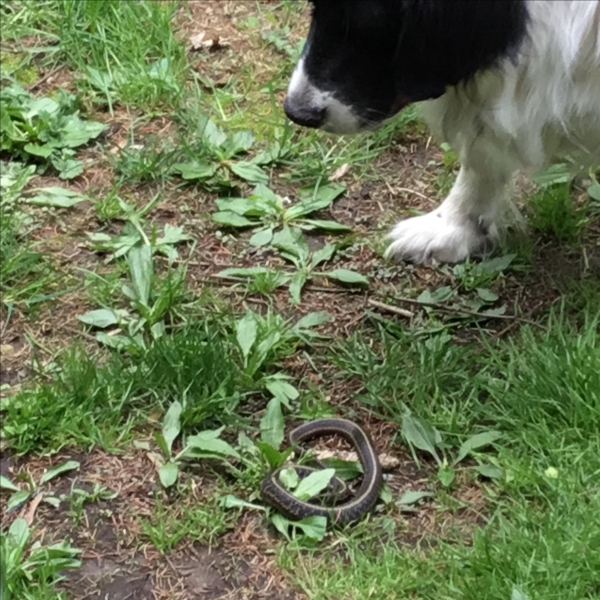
[(510, 84)]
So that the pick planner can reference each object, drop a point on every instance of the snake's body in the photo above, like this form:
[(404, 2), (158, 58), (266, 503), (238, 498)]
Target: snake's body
[(353, 509)]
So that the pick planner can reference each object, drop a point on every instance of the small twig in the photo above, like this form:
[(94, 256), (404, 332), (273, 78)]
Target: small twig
[(419, 194), (45, 78), (392, 309)]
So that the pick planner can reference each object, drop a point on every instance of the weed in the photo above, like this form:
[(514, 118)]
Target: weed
[(78, 498), (127, 51), (21, 497), (293, 247), (554, 212), (217, 157), (473, 275), (24, 274), (45, 129), (266, 212), (200, 523), (151, 300), (150, 161), (30, 571)]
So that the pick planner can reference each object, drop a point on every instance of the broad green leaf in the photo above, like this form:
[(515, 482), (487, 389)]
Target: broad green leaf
[(70, 465), (20, 534), (246, 332), (272, 425), (594, 191), (231, 501), (55, 196), (214, 446), (102, 317), (385, 495), (43, 151), (249, 171), (172, 235), (240, 206), (273, 456), (168, 474), (213, 134), (325, 225), (172, 424), (410, 498), (118, 342), (141, 269), (292, 242), (323, 255), (231, 219), (289, 478), (477, 441), (487, 295), (347, 276), (51, 500), (298, 282), (555, 174), (446, 476), (242, 141), (313, 527), (77, 132), (439, 296), (344, 469), (282, 390), (313, 319), (498, 264), (312, 200), (7, 484), (69, 169), (489, 471), (494, 312), (262, 352), (265, 193), (421, 435), (17, 499), (314, 484), (282, 525), (195, 170), (262, 237)]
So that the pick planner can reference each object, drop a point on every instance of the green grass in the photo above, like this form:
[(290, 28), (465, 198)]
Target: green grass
[(87, 405), (120, 51), (542, 540), (26, 276), (202, 523), (159, 344), (554, 213)]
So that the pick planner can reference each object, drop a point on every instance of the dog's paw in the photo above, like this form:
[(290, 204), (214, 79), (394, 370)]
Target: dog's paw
[(432, 239)]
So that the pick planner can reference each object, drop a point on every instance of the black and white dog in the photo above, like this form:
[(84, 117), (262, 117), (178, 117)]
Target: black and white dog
[(510, 84)]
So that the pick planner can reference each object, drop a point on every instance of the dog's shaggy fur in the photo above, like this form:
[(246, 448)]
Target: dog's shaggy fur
[(510, 84)]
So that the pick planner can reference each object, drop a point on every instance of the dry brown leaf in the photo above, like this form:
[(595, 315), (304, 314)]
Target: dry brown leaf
[(155, 459), (204, 41), (32, 508), (340, 172)]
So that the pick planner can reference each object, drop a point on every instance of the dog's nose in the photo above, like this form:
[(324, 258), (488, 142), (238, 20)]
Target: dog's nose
[(306, 116)]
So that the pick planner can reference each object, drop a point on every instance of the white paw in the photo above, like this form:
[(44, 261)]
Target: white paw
[(434, 239)]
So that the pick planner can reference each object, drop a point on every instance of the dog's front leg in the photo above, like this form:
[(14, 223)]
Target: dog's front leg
[(464, 225)]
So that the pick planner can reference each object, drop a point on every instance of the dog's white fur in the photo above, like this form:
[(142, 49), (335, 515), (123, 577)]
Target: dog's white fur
[(519, 116)]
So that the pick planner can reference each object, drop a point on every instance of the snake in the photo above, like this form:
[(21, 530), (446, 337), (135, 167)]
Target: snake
[(353, 509)]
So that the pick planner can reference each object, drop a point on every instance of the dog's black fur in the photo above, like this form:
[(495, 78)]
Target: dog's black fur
[(380, 55)]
